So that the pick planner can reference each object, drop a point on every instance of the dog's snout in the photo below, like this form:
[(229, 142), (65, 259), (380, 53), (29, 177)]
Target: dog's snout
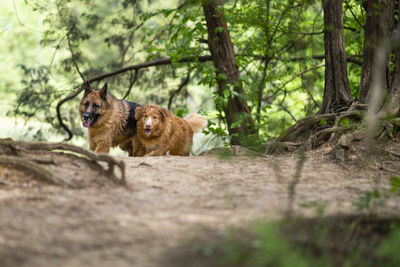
[(148, 123), (86, 116)]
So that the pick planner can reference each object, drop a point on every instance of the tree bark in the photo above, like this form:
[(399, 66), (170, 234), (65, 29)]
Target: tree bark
[(378, 26), (394, 103), (237, 113), (336, 92)]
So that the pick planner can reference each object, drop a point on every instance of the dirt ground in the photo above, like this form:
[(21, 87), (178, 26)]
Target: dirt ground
[(168, 200)]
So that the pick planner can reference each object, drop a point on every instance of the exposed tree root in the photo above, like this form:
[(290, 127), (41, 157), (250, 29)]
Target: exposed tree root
[(22, 155), (36, 169), (313, 131), (339, 130)]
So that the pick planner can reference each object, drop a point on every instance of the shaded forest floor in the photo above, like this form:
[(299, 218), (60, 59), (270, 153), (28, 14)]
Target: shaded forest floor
[(169, 201)]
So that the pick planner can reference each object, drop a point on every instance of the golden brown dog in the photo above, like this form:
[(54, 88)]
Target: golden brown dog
[(110, 122), (159, 131)]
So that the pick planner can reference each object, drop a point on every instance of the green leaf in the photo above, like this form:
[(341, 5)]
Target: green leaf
[(395, 183), (218, 30)]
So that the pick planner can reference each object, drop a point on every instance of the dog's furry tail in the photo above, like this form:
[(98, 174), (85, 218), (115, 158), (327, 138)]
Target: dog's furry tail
[(197, 122)]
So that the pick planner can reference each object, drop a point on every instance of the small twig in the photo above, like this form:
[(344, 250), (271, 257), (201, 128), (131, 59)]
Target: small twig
[(183, 84), (261, 90), (55, 52), (58, 109), (352, 13), (301, 73), (288, 111), (132, 81), (73, 57)]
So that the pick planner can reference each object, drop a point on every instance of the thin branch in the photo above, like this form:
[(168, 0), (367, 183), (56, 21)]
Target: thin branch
[(281, 18), (132, 81), (58, 109), (152, 63), (55, 51), (183, 83), (308, 92), (73, 57), (278, 89), (260, 91), (301, 73), (201, 40), (351, 59), (288, 111), (20, 21), (351, 29), (352, 13), (264, 73), (307, 33)]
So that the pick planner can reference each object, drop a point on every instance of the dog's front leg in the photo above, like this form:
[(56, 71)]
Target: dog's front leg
[(92, 145), (137, 150), (155, 153), (103, 148)]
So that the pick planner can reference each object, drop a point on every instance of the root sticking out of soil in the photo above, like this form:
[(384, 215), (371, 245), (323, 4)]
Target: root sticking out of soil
[(32, 156)]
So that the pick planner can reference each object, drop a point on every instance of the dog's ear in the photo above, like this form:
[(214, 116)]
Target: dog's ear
[(138, 112), (103, 92), (87, 88), (164, 113)]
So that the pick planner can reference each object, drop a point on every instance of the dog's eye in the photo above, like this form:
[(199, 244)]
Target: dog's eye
[(154, 117), (145, 115), (86, 104), (95, 106)]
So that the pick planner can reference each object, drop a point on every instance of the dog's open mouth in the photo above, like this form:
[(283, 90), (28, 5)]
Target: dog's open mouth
[(89, 121), (147, 131)]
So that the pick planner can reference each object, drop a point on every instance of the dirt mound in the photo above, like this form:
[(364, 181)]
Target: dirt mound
[(166, 200)]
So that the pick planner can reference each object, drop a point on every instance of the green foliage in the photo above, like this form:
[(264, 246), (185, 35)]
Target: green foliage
[(388, 250), (181, 112), (367, 200), (395, 183), (370, 199), (268, 248), (327, 241), (317, 206)]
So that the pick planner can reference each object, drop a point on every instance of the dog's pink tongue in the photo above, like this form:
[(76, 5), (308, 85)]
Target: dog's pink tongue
[(86, 124)]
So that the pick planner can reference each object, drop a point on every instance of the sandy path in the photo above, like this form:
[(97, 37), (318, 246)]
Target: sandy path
[(169, 200)]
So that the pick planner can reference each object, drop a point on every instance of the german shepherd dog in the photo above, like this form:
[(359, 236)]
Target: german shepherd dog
[(161, 132), (110, 122)]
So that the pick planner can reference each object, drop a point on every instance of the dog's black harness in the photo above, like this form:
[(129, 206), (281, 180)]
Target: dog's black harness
[(131, 118)]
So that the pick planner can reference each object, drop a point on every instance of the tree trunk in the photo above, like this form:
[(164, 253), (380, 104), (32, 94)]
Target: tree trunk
[(237, 113), (378, 26), (336, 92), (395, 88), (394, 102)]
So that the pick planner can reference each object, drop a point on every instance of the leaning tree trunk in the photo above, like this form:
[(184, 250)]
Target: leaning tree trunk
[(237, 113), (394, 104), (378, 26), (336, 92)]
